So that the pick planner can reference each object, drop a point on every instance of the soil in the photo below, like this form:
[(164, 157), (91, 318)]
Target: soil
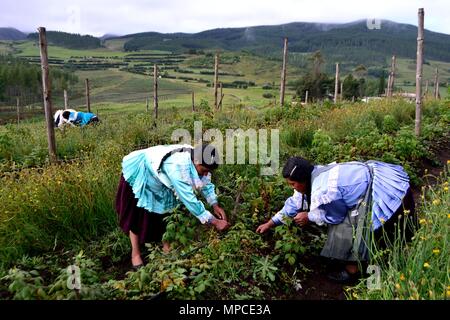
[(317, 286)]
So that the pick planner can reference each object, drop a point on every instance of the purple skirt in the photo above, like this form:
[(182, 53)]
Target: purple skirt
[(148, 226)]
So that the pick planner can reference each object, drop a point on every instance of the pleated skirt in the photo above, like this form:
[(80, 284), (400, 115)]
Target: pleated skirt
[(148, 226)]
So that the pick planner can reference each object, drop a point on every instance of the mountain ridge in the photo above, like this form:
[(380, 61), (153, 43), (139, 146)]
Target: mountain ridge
[(350, 41), (9, 33)]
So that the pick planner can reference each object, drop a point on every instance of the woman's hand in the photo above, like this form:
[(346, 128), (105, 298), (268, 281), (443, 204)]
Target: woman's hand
[(265, 227), (221, 225), (301, 219), (219, 212)]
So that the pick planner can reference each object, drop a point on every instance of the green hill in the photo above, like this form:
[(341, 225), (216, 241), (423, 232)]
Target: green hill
[(11, 34), (69, 40), (352, 42)]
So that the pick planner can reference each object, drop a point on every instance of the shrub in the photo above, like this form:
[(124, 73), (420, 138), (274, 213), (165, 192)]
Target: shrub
[(390, 124)]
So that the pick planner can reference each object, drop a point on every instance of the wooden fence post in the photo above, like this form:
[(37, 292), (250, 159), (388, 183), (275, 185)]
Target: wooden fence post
[(336, 84), (436, 84), (88, 98), (216, 80), (306, 97), (419, 69), (66, 100), (18, 110), (193, 101), (283, 72), (46, 89), (221, 95), (146, 104), (342, 91), (426, 88), (391, 77), (388, 83), (155, 90)]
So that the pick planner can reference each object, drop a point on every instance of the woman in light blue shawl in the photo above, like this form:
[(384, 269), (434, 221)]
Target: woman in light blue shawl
[(156, 180), (356, 200)]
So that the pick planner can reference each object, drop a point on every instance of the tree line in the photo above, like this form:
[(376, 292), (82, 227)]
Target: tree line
[(320, 86), (69, 40), (19, 78)]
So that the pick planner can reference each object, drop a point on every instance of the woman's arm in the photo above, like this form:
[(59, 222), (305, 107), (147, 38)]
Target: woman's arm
[(290, 209), (292, 206)]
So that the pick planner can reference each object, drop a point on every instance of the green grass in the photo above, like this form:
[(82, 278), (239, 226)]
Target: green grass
[(30, 48), (115, 44), (6, 47), (418, 270), (406, 69), (253, 68), (50, 212), (117, 86)]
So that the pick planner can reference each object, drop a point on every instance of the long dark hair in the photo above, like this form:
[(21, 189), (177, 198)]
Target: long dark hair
[(206, 155), (299, 170)]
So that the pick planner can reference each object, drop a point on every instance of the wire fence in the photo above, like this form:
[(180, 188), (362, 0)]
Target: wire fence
[(19, 103), (22, 104)]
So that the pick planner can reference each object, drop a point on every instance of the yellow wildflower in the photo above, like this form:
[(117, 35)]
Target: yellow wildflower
[(448, 215), (382, 220), (426, 265), (402, 277), (422, 221), (436, 251), (436, 202), (446, 189), (397, 286)]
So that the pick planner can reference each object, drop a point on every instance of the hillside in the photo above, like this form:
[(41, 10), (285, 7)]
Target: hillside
[(11, 34), (343, 42), (69, 40), (349, 43)]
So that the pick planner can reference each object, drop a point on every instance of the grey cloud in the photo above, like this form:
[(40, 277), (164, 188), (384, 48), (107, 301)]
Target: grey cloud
[(122, 17)]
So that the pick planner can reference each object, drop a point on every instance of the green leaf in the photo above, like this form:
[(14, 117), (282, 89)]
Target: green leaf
[(291, 260), (200, 288)]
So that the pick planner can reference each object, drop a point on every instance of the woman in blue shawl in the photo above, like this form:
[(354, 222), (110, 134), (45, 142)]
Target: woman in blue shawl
[(155, 181), (357, 200)]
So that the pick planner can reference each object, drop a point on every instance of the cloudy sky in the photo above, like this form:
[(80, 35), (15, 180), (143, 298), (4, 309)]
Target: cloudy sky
[(98, 17)]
